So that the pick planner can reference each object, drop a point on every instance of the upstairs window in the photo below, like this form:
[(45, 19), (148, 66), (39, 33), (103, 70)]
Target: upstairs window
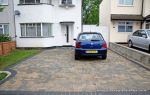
[(3, 2), (66, 1), (35, 1), (125, 2), (29, 1), (125, 26)]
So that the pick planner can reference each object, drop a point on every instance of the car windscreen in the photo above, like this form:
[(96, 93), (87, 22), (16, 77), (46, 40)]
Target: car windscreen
[(148, 32), (94, 37)]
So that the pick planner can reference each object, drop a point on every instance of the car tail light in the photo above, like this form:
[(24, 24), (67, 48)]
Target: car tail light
[(104, 45), (78, 44)]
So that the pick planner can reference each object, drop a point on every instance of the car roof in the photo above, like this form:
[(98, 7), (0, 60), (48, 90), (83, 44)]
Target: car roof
[(144, 29), (90, 33)]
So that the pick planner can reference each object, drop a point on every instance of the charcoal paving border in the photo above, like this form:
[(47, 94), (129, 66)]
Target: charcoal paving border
[(13, 73), (75, 93)]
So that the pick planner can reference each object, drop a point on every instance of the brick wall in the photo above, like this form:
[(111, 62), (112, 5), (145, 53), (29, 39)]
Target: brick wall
[(7, 47), (1, 51)]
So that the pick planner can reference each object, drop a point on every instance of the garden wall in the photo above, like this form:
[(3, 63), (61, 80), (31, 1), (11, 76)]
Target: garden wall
[(132, 54), (7, 47)]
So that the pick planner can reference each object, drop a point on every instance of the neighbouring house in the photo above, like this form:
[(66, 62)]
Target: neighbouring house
[(47, 23), (7, 24), (123, 17), (146, 14)]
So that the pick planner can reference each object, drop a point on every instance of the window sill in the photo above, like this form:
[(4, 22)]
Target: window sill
[(38, 37), (66, 5), (125, 5), (124, 32), (36, 4), (3, 4)]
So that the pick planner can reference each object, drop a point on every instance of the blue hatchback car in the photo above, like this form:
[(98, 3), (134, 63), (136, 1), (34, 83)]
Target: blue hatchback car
[(90, 44)]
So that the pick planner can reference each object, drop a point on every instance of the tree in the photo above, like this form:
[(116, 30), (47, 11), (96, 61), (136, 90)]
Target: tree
[(91, 11)]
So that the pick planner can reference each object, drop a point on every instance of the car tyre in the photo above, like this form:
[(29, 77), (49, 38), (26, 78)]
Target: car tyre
[(104, 57), (130, 44), (149, 49), (77, 57)]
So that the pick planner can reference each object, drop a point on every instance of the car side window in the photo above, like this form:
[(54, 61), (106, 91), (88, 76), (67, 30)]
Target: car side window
[(136, 33), (143, 34)]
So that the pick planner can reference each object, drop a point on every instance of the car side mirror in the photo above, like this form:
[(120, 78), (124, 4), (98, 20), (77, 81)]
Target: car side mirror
[(74, 39)]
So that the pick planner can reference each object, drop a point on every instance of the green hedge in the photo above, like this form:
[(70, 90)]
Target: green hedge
[(4, 38), (1, 9)]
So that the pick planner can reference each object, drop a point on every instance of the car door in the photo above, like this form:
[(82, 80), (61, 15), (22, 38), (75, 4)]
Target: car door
[(142, 40), (134, 38)]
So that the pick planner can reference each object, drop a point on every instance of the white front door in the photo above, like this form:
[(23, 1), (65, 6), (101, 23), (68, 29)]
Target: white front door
[(67, 30)]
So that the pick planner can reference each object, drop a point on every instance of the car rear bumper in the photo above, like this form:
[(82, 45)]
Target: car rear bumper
[(82, 52)]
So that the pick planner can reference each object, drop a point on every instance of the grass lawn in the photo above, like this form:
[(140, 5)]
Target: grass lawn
[(15, 57), (2, 76)]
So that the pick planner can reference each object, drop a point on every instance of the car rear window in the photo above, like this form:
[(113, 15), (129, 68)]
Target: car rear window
[(90, 37), (148, 32)]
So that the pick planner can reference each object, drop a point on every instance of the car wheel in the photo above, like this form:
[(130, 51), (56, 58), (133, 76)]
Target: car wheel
[(77, 57), (149, 48), (130, 44), (104, 57)]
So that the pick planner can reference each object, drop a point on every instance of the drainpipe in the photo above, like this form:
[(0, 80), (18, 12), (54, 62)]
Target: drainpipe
[(14, 19), (142, 13), (82, 16)]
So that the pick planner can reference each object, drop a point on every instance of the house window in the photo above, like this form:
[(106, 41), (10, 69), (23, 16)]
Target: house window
[(66, 2), (125, 2), (3, 2), (36, 30), (125, 26), (147, 26), (29, 1), (4, 29), (35, 1)]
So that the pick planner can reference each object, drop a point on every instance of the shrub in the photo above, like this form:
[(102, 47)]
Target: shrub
[(1, 9), (4, 38)]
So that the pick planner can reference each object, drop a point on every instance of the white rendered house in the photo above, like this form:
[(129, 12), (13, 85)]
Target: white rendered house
[(47, 23)]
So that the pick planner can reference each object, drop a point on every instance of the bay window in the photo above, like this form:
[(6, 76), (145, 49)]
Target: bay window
[(36, 30)]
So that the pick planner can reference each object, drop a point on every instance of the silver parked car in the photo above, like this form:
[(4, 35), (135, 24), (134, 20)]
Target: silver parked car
[(140, 39)]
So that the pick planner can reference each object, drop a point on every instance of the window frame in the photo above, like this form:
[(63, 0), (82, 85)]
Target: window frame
[(36, 26), (124, 4), (125, 25), (3, 29)]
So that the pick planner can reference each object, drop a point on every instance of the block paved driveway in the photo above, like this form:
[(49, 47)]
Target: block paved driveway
[(56, 70)]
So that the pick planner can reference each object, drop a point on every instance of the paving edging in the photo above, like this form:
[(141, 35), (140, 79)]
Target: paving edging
[(139, 57), (11, 73)]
